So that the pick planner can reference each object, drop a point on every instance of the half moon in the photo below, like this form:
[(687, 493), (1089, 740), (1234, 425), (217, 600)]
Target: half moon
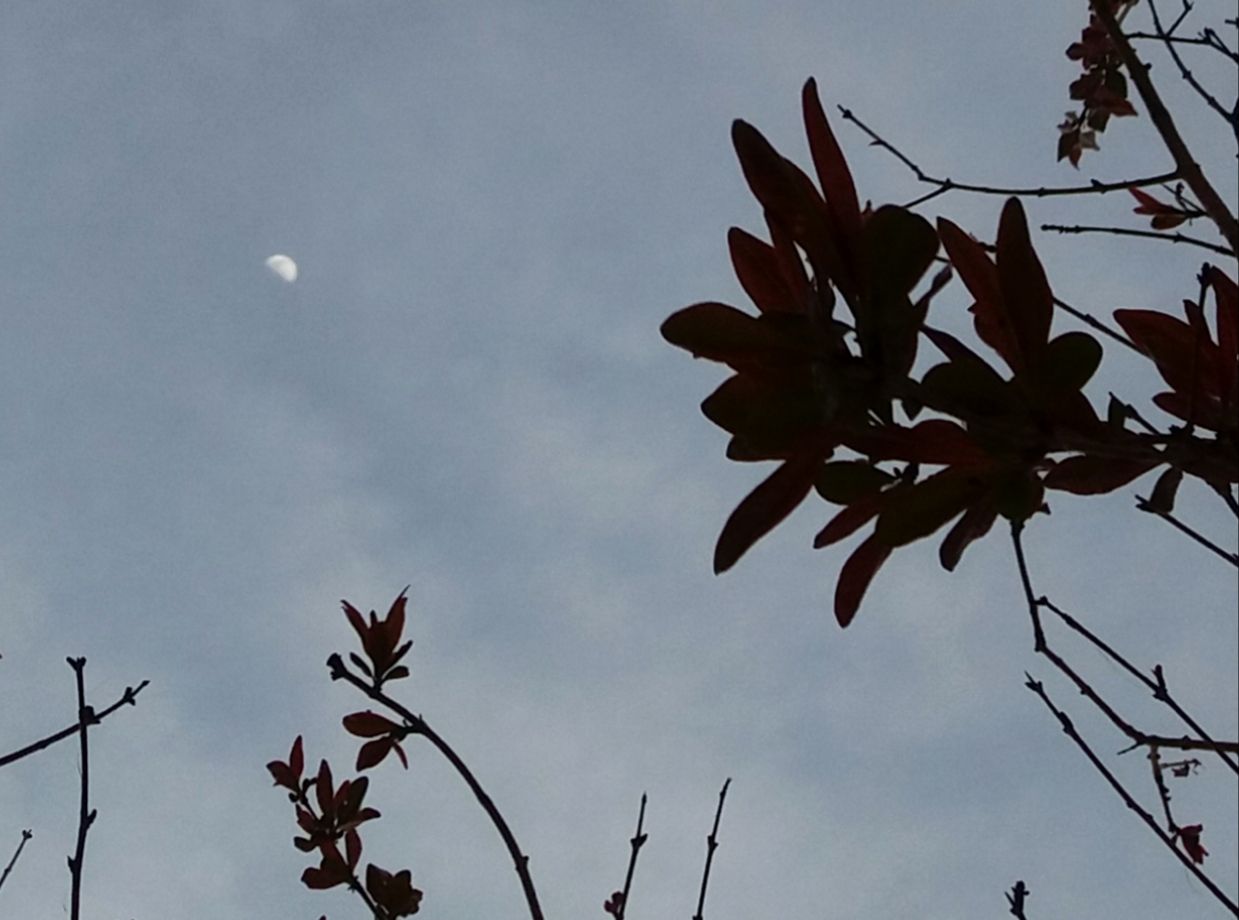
[(283, 268)]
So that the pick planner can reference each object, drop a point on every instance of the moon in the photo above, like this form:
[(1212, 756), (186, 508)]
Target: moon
[(283, 268)]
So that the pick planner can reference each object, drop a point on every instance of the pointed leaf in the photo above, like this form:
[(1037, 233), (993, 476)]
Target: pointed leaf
[(980, 276), (833, 174), (1025, 290), (1085, 475), (760, 273), (856, 575), (765, 507), (843, 482), (369, 724), (848, 521), (721, 333), (919, 510), (975, 523)]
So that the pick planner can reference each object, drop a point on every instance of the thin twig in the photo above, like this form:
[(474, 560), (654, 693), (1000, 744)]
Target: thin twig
[(1147, 234), (711, 846), (86, 815), (128, 697), (1126, 796), (1156, 684), (419, 726), (1144, 505), (26, 835), (1093, 322), (637, 841), (1163, 791), (1095, 187), (1188, 77), (1188, 169)]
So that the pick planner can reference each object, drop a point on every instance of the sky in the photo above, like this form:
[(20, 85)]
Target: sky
[(493, 206)]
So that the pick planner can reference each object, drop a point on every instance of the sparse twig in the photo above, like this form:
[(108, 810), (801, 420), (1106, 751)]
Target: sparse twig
[(1147, 234), (942, 186), (86, 815), (1070, 729), (637, 841), (1156, 684), (4, 876), (418, 726), (1188, 169), (1144, 504), (711, 846), (129, 697), (1231, 118)]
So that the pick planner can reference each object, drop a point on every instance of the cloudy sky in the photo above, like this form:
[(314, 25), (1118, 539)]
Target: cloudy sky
[(493, 207)]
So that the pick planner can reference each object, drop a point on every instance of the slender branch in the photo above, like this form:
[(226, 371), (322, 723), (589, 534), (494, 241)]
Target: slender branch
[(419, 726), (711, 846), (1188, 77), (1093, 322), (86, 815), (637, 841), (1188, 169), (1156, 684), (1094, 187), (26, 835), (128, 697), (1126, 796), (1163, 792), (1145, 505), (1148, 234), (1015, 898)]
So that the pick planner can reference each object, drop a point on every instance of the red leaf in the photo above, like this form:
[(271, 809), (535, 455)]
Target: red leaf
[(1085, 475), (980, 276), (1172, 344), (352, 849), (373, 752), (760, 273), (849, 520), (836, 181), (368, 724), (323, 788), (1025, 290), (1190, 838), (975, 524), (931, 441), (1226, 296), (855, 576), (916, 511), (721, 333), (765, 507)]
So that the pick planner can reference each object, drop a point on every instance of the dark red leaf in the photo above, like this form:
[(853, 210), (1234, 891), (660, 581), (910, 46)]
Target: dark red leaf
[(1085, 475), (372, 752), (1025, 290), (323, 788), (1164, 491), (931, 441), (844, 482), (975, 523), (1172, 344), (848, 521), (917, 511), (722, 333), (856, 575), (833, 174), (765, 507), (760, 273), (369, 724), (980, 276)]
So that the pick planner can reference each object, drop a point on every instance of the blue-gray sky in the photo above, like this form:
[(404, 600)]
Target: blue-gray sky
[(493, 207)]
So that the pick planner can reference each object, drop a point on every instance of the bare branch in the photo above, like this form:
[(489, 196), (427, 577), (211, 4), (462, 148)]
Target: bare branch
[(129, 697), (1095, 187), (1148, 234), (1188, 168), (711, 846), (1145, 505), (86, 815), (1231, 118), (26, 835)]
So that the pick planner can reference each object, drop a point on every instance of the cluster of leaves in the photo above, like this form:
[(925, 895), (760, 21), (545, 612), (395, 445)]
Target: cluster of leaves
[(1101, 89), (807, 383), (334, 815)]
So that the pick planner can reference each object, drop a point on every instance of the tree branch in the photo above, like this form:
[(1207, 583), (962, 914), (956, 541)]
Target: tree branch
[(1188, 169), (128, 697), (711, 846), (86, 815), (26, 835), (1148, 234)]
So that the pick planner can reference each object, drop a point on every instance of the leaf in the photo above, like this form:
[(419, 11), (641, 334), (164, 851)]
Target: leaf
[(971, 386), (917, 511), (717, 332), (931, 441), (765, 507), (856, 575), (1019, 496), (760, 273), (1162, 499), (835, 178), (1070, 361), (899, 246), (1169, 341), (975, 524), (1025, 290), (369, 724), (848, 521), (980, 276), (843, 482), (372, 752), (1086, 475), (763, 411)]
